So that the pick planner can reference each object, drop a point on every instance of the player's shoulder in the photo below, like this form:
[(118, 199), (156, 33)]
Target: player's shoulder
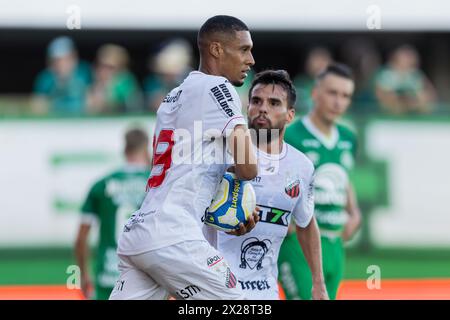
[(296, 156), (99, 185), (295, 133), (346, 131), (104, 179), (111, 175), (296, 126), (204, 78)]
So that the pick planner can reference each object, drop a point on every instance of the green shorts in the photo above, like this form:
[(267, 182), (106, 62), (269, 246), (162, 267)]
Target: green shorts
[(295, 275)]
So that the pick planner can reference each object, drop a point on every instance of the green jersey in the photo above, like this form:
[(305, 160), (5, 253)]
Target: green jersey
[(111, 201), (333, 158)]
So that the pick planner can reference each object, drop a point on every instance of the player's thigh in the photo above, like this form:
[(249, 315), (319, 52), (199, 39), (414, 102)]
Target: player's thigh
[(333, 264), (294, 274), (191, 270), (134, 284)]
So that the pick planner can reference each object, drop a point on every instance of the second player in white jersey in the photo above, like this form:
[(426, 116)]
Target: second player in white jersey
[(283, 191)]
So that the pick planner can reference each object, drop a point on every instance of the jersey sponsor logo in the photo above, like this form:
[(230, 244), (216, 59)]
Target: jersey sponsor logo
[(334, 218), (270, 169), (313, 156), (253, 252), (119, 285), (127, 191), (347, 160), (211, 261), (347, 145), (219, 265), (188, 291), (274, 215), (136, 217), (311, 143), (259, 285), (293, 189), (174, 98), (222, 96), (331, 182)]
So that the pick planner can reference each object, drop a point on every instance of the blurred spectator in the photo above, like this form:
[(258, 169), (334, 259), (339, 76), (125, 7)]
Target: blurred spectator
[(317, 60), (168, 69), (115, 88), (364, 58), (401, 87), (62, 87)]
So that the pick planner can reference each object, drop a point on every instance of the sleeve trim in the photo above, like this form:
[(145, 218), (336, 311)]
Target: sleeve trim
[(88, 218), (234, 118)]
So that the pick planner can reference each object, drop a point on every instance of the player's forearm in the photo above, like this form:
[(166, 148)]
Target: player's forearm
[(354, 213), (82, 255), (243, 155), (351, 227), (309, 239)]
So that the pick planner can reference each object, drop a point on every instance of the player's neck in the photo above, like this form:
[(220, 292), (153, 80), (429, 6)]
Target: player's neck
[(208, 68), (273, 147), (136, 161), (323, 126)]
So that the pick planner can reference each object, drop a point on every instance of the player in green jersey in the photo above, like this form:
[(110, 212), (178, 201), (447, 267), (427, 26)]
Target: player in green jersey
[(332, 148), (110, 202)]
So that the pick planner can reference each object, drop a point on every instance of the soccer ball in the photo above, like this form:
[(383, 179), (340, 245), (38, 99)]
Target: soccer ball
[(232, 204)]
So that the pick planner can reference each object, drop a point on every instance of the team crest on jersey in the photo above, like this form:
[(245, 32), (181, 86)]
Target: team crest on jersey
[(293, 188)]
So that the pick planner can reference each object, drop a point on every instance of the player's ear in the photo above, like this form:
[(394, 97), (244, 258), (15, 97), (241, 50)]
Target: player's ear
[(215, 49), (290, 115), (314, 93)]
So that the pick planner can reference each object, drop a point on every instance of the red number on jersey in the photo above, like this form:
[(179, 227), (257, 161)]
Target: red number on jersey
[(162, 157)]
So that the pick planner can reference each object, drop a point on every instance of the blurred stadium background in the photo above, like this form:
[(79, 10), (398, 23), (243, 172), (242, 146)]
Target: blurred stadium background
[(49, 155)]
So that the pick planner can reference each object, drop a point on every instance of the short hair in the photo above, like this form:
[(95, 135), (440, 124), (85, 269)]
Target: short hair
[(220, 24), (338, 69), (135, 140), (278, 77)]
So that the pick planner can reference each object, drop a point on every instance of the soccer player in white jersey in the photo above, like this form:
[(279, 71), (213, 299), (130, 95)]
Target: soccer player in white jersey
[(284, 189), (163, 250)]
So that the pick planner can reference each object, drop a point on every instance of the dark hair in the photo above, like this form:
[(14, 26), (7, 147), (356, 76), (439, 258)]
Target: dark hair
[(220, 24), (278, 77), (135, 140), (338, 69)]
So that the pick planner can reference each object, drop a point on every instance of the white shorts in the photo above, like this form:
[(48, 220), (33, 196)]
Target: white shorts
[(188, 270)]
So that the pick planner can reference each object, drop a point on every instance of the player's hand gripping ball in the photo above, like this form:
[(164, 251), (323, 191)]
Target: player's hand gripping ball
[(232, 204)]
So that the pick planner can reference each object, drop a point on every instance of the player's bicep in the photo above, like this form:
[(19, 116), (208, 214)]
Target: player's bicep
[(304, 210)]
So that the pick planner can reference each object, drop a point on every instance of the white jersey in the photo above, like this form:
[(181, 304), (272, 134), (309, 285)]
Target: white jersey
[(284, 189), (192, 120)]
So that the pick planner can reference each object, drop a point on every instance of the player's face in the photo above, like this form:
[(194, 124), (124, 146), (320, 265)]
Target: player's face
[(332, 97), (237, 58), (268, 107)]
